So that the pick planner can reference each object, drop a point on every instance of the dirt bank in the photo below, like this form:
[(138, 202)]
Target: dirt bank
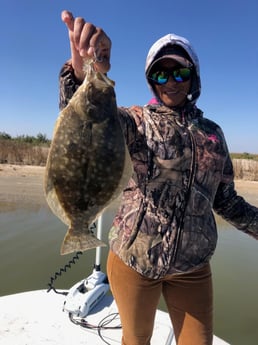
[(24, 183), (21, 184)]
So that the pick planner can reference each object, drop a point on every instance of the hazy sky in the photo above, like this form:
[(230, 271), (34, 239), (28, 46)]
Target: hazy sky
[(224, 33)]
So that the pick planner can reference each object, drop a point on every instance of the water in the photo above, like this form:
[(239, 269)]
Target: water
[(30, 243), (30, 240)]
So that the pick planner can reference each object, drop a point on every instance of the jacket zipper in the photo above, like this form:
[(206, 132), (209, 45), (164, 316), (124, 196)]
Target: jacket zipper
[(191, 179)]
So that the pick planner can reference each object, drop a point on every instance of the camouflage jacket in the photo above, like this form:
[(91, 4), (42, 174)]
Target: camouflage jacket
[(182, 172)]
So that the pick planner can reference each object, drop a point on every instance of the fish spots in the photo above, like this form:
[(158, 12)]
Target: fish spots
[(88, 164)]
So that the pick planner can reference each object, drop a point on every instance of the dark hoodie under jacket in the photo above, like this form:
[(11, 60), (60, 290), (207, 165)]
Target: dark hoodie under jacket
[(182, 172)]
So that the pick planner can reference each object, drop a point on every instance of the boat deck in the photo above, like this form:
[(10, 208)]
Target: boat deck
[(37, 317)]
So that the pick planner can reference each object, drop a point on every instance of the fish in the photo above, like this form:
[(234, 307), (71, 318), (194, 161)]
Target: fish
[(88, 164)]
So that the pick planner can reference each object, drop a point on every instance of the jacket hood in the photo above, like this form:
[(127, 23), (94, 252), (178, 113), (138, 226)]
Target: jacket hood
[(175, 40)]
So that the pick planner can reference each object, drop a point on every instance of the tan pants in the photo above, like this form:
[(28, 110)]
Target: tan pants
[(188, 298)]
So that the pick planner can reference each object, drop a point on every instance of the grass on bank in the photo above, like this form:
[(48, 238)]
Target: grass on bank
[(24, 149), (33, 150), (244, 155)]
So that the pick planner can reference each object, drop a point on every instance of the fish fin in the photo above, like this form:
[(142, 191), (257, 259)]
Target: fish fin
[(83, 241)]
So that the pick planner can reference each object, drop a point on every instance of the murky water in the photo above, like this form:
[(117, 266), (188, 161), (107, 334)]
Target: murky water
[(30, 239)]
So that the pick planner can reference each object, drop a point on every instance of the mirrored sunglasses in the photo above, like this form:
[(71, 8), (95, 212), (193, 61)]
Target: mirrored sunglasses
[(179, 75)]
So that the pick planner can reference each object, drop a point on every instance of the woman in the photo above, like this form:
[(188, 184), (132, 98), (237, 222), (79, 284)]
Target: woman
[(164, 233)]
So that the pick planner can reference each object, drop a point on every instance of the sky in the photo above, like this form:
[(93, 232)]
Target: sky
[(224, 33)]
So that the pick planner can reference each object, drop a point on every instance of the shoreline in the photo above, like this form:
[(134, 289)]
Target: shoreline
[(21, 184), (25, 184)]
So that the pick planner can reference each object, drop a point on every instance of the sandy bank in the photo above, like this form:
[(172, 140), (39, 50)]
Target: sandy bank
[(21, 184), (24, 183)]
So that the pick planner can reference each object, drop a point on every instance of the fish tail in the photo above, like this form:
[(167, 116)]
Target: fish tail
[(79, 242)]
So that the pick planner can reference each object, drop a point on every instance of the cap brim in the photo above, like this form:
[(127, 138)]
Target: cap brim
[(183, 61)]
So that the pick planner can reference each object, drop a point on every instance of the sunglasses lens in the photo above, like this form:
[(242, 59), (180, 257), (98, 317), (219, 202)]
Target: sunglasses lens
[(181, 74), (160, 77)]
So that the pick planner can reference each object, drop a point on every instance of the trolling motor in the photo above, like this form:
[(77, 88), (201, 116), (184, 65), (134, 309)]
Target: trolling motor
[(86, 294)]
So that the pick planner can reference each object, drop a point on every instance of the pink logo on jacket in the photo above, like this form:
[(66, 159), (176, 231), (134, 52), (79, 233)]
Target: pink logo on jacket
[(213, 138)]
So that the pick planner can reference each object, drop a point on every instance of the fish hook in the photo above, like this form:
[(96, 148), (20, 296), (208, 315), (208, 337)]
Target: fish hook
[(97, 57)]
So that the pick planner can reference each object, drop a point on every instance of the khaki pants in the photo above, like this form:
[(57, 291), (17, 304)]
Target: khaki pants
[(188, 298)]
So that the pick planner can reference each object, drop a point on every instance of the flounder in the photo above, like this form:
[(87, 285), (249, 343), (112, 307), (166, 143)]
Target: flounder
[(88, 164)]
